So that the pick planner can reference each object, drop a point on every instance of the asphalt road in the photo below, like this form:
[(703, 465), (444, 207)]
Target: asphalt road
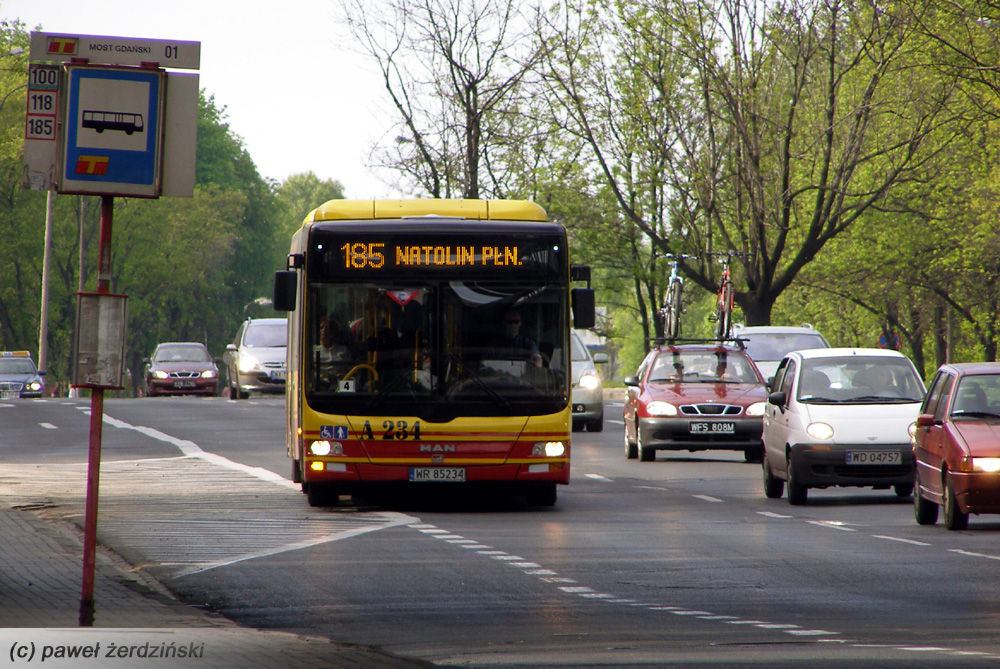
[(675, 562)]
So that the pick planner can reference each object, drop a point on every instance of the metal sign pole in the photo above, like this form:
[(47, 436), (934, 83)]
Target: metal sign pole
[(96, 423)]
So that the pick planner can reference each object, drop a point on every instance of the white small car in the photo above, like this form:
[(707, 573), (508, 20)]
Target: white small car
[(841, 417)]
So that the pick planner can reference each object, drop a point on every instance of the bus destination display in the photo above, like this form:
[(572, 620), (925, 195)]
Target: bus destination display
[(375, 255)]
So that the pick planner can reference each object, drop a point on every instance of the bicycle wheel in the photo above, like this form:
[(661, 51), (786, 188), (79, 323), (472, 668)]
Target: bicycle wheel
[(673, 315), (724, 313)]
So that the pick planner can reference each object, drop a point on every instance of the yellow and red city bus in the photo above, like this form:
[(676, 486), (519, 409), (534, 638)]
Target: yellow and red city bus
[(399, 370)]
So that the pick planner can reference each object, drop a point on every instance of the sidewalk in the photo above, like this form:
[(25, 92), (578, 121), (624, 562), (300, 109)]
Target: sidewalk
[(137, 621)]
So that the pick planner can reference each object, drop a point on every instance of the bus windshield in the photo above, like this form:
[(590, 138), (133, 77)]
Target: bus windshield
[(436, 349)]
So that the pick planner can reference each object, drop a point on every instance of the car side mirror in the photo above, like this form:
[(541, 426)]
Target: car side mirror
[(631, 380), (231, 347), (600, 357), (778, 399), (925, 420)]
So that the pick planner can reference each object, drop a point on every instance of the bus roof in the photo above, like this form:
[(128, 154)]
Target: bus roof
[(369, 210)]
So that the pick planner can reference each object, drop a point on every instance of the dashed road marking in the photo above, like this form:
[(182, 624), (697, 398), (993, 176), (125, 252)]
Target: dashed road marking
[(912, 542)]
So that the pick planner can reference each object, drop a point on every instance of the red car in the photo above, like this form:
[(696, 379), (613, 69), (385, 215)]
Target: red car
[(181, 368), (694, 397), (957, 445)]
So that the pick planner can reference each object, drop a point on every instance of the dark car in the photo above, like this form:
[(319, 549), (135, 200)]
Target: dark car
[(18, 376), (956, 445), (694, 397), (255, 361), (181, 368)]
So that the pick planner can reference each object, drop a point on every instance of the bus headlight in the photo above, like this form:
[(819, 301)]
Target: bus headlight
[(324, 447), (552, 449)]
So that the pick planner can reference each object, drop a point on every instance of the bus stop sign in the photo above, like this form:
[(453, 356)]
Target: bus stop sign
[(113, 131)]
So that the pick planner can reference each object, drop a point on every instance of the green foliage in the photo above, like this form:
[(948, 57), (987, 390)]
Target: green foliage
[(298, 195)]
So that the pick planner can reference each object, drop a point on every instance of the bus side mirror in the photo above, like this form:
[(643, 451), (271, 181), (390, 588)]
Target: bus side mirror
[(584, 311), (284, 290)]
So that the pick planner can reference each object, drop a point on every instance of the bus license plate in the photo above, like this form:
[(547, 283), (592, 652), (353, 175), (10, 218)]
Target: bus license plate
[(438, 474), (874, 457), (713, 427)]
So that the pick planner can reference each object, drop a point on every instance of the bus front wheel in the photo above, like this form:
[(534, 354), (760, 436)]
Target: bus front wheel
[(542, 495), (322, 494)]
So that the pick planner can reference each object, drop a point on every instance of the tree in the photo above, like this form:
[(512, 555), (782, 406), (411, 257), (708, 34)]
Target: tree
[(774, 126), (301, 193), (453, 70)]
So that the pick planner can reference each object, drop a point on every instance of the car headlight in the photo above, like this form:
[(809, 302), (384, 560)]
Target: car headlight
[(988, 465), (756, 409), (590, 380), (820, 431), (35, 386), (248, 363), (208, 374), (159, 374), (658, 408)]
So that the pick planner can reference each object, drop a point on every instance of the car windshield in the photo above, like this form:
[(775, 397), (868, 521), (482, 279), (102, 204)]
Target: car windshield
[(977, 396), (181, 354), (266, 335), (702, 366), (773, 346), (17, 367), (859, 380)]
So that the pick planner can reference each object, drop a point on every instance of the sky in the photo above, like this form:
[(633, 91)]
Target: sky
[(293, 89)]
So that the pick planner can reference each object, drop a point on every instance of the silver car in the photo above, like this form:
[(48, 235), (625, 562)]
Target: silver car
[(587, 393), (255, 361), (768, 344)]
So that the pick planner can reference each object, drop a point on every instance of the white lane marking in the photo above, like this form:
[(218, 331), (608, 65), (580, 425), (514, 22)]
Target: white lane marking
[(971, 554), (901, 540), (771, 514), (192, 449), (650, 487), (598, 477), (706, 498), (614, 420), (832, 524), (197, 569), (49, 426)]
